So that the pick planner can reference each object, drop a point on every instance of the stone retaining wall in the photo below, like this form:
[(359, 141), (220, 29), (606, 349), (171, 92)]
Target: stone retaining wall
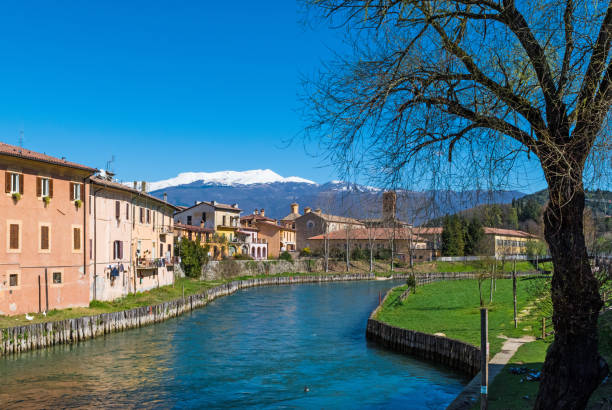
[(229, 269), (450, 352), (36, 336)]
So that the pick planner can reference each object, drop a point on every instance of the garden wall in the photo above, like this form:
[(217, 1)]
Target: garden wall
[(229, 269)]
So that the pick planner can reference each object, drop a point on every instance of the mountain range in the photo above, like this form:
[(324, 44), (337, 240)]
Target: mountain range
[(266, 189)]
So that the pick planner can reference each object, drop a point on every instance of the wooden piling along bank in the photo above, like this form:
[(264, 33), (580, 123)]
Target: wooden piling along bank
[(450, 352), (40, 335)]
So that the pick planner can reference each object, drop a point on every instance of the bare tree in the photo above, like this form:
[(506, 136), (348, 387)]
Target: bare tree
[(440, 91)]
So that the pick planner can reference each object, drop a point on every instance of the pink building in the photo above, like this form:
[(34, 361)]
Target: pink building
[(43, 226), (132, 241)]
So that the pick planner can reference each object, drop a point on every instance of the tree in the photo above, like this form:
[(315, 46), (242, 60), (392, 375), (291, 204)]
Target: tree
[(453, 236), (473, 235), (462, 90), (193, 256)]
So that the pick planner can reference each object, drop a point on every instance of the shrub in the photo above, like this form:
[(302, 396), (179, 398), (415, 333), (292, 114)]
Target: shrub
[(16, 196), (359, 254), (242, 257), (285, 256), (78, 203), (46, 200), (306, 252), (411, 282), (193, 256)]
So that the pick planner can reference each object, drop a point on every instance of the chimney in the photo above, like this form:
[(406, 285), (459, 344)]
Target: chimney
[(213, 203), (295, 208), (235, 205), (165, 197), (256, 212), (307, 210), (389, 205), (262, 212), (136, 185), (318, 211), (143, 187)]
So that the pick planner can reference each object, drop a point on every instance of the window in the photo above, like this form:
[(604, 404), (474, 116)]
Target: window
[(57, 278), (310, 225), (127, 212), (44, 187), (118, 250), (148, 216), (188, 219), (117, 210), (76, 239), (44, 237), (13, 279), (224, 220), (14, 183), (14, 236), (75, 191), (141, 215)]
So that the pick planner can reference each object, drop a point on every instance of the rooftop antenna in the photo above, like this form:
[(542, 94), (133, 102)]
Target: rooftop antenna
[(108, 163), (20, 140)]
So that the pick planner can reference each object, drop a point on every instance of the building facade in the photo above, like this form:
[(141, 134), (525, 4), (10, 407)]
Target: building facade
[(132, 240), (43, 226), (314, 223)]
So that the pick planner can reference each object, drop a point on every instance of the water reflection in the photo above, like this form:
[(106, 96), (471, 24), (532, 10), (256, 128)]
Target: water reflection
[(258, 348)]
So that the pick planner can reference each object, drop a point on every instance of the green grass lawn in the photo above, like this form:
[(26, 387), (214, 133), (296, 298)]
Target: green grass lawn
[(508, 392), (475, 266), (453, 308)]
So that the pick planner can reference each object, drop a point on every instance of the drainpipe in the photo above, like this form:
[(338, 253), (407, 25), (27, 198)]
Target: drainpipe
[(95, 245), (85, 180)]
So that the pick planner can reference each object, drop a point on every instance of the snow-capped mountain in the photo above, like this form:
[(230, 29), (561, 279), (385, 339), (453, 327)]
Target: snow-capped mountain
[(266, 189), (226, 178)]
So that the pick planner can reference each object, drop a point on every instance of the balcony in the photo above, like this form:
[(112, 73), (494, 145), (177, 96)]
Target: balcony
[(152, 263), (165, 229)]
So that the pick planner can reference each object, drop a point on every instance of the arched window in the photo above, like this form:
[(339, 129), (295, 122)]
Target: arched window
[(264, 253), (310, 225), (253, 251), (259, 252)]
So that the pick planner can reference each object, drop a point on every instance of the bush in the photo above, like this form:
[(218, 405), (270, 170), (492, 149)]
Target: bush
[(411, 282), (306, 252), (285, 256), (359, 254), (242, 257), (193, 256)]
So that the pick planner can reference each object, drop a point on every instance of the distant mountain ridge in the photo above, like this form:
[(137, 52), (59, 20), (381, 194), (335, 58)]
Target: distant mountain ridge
[(266, 189)]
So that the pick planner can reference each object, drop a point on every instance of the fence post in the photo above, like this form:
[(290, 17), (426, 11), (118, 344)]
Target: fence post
[(484, 363), (514, 294), (543, 328)]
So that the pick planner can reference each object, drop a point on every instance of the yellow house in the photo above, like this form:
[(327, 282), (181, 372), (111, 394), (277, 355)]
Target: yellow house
[(220, 222)]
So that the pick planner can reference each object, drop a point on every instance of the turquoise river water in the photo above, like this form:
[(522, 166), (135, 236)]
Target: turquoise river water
[(256, 348)]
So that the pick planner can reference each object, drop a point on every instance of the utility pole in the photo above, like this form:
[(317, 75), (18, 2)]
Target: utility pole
[(514, 293)]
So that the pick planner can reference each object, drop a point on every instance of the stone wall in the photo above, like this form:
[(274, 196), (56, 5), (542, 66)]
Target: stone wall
[(450, 352), (36, 336), (229, 269)]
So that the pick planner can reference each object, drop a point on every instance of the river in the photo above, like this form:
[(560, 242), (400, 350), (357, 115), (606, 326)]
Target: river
[(259, 347)]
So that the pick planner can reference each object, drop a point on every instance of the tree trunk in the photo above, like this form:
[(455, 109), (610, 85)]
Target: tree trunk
[(573, 367)]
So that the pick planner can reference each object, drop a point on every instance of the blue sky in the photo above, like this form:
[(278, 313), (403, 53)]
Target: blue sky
[(165, 87)]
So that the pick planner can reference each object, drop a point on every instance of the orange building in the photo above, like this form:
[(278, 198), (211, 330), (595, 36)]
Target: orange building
[(43, 251), (276, 235)]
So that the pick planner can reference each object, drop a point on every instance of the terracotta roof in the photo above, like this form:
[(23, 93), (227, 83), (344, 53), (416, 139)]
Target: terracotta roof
[(253, 217), (291, 217), (508, 232), (335, 218), (13, 151), (374, 233), (427, 230), (116, 185), (193, 228)]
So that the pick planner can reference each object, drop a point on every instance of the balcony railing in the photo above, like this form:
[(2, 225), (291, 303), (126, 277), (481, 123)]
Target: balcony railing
[(151, 263)]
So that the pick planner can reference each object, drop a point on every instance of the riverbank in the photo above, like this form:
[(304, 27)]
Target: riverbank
[(39, 335)]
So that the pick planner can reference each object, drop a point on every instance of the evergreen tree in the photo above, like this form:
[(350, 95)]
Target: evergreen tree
[(473, 235)]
